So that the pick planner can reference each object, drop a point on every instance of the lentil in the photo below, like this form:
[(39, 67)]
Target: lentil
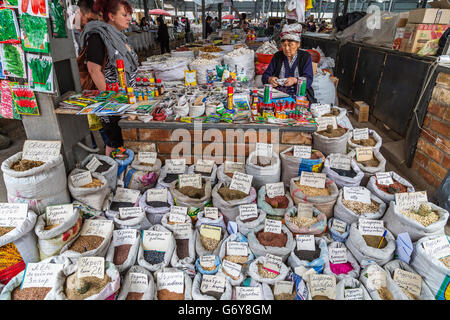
[(121, 253), (153, 256), (182, 248), (94, 285), (134, 296), (371, 142), (33, 293), (5, 230), (303, 222), (385, 294), (115, 205), (165, 294), (280, 202), (308, 255), (25, 165), (228, 194), (86, 243), (373, 241), (264, 273), (392, 188), (94, 184), (311, 191), (171, 177), (361, 208), (271, 239)]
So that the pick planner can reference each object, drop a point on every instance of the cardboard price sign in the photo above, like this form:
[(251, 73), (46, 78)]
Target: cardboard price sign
[(438, 247), (353, 294), (272, 263), (360, 134), (264, 149), (303, 152), (182, 231), (275, 189), (231, 167), (371, 227), (364, 154), (319, 109), (178, 214), (340, 161), (248, 293), (91, 267), (283, 287), (212, 232), (138, 282), (233, 269), (337, 255), (409, 281), (273, 226), (323, 285), (235, 248), (208, 261), (241, 182), (175, 166), (339, 225), (156, 240), (41, 275), (124, 236), (38, 150), (13, 214), (213, 283), (204, 166), (101, 228), (157, 195), (190, 180), (324, 122), (171, 281), (248, 211), (376, 277), (313, 179), (147, 157), (410, 200), (305, 242), (81, 179), (305, 210), (384, 178), (211, 213), (55, 215), (131, 212), (126, 195), (93, 164), (358, 194)]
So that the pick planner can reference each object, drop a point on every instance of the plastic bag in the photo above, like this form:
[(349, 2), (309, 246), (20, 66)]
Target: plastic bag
[(343, 181), (212, 176), (187, 285), (394, 289), (202, 251), (198, 295), (263, 175), (246, 227), (331, 145), (349, 282), (259, 250), (324, 90), (354, 273), (388, 197), (141, 177), (216, 222), (335, 235), (93, 196), (132, 254), (125, 288), (203, 271), (316, 229), (155, 214), (167, 255), (370, 171), (110, 174), (317, 264), (293, 166), (372, 134), (253, 272), (162, 177), (186, 263), (236, 237)]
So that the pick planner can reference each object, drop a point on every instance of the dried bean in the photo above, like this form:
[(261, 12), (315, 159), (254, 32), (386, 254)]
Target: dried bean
[(25, 165), (361, 208), (311, 191), (209, 243), (34, 293), (264, 273)]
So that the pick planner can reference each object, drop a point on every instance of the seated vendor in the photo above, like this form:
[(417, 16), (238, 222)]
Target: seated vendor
[(290, 64)]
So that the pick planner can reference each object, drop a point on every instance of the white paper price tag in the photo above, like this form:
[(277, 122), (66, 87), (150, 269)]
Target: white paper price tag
[(241, 182), (212, 232), (313, 179), (319, 109), (303, 152), (384, 178), (305, 242), (273, 226), (124, 236), (190, 180), (353, 294), (91, 267), (147, 157), (156, 240), (55, 215), (126, 195), (178, 214), (41, 275), (409, 281), (204, 166), (339, 225), (364, 154), (171, 281), (38, 150), (340, 161), (371, 227), (93, 164), (235, 248), (157, 195), (323, 285), (138, 282), (231, 167), (305, 210), (248, 293), (275, 189), (359, 194), (13, 214), (182, 231), (438, 247), (376, 277), (324, 122), (211, 213), (208, 261), (337, 255), (175, 166), (101, 228), (213, 283), (81, 179), (283, 287), (272, 263), (410, 200), (264, 149), (360, 134), (248, 211), (131, 212), (231, 268)]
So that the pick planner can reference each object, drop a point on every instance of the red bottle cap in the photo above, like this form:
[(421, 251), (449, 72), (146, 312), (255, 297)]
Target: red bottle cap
[(158, 80), (108, 88), (120, 64), (116, 87), (138, 79), (229, 89)]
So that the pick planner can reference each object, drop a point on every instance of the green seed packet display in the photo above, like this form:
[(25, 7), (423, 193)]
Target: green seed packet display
[(34, 33)]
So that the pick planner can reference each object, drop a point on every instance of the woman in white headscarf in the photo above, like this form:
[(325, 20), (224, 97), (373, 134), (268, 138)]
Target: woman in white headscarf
[(290, 64)]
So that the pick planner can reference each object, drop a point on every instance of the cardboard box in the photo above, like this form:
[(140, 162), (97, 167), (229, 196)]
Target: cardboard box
[(440, 4), (226, 37), (403, 19), (417, 35), (361, 110), (429, 15)]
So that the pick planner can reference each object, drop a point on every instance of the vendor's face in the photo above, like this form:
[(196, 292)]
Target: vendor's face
[(290, 48)]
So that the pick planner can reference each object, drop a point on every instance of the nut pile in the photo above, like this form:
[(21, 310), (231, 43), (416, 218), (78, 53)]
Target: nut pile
[(94, 184), (24, 165), (361, 208), (303, 222), (312, 191), (211, 48)]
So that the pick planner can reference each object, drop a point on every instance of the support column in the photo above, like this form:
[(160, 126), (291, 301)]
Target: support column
[(146, 10), (335, 11), (219, 15), (203, 20), (345, 7)]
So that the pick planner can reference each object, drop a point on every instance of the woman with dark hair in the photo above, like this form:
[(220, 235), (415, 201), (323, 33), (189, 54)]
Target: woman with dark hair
[(163, 35), (187, 30), (105, 43)]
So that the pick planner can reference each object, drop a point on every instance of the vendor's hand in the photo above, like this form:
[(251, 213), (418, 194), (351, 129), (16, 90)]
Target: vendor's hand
[(290, 81), (273, 81)]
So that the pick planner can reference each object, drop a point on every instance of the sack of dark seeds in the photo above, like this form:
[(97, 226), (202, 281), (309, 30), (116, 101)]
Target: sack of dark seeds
[(156, 249), (124, 248)]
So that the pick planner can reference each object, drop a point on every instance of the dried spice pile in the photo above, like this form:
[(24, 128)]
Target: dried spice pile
[(371, 142), (303, 222), (191, 192), (182, 248), (165, 294), (115, 205), (270, 239), (285, 296), (228, 194), (24, 165), (332, 133), (86, 243), (33, 293), (170, 177), (5, 230), (334, 112), (157, 204), (79, 289), (311, 191), (9, 256), (345, 173), (103, 167), (153, 256), (308, 255), (370, 163), (264, 273), (395, 187), (373, 241), (209, 244), (361, 208), (250, 219), (121, 253), (134, 296), (279, 202)]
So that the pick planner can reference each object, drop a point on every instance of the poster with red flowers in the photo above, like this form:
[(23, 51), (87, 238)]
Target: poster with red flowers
[(38, 8), (24, 99), (7, 110)]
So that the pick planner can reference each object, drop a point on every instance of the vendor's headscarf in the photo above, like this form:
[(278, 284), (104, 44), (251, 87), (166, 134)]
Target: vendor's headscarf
[(291, 32)]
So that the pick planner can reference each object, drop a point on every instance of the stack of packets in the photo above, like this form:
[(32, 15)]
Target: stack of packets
[(96, 102), (404, 247)]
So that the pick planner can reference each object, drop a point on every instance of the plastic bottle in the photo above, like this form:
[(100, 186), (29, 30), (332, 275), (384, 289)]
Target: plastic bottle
[(159, 86), (230, 98), (254, 105), (152, 86), (131, 96), (122, 77)]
